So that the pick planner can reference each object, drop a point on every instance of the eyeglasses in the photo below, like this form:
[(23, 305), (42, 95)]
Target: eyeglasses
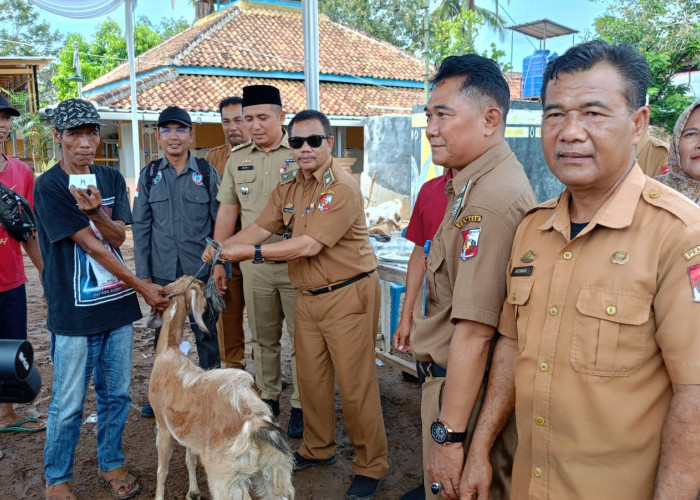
[(179, 131), (313, 140)]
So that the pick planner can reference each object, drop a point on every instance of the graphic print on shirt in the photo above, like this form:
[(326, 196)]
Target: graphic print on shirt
[(92, 282)]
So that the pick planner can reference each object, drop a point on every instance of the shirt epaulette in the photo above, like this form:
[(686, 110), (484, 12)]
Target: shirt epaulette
[(288, 175), (664, 197), (659, 143), (551, 203), (241, 146)]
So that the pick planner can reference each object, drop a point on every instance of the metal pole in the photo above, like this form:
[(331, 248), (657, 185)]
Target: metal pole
[(426, 30), (309, 23), (132, 171)]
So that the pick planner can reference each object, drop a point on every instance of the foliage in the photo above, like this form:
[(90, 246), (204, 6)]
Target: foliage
[(107, 49), (35, 133), (399, 22), (457, 35), (667, 32), (452, 9), (22, 34)]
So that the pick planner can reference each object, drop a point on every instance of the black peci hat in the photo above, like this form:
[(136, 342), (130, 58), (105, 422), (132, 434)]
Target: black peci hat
[(261, 94), (173, 114)]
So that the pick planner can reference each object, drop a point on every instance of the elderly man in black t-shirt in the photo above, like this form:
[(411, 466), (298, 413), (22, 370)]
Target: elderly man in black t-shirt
[(91, 298)]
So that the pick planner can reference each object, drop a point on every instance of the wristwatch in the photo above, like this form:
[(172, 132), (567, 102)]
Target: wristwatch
[(258, 255), (442, 434)]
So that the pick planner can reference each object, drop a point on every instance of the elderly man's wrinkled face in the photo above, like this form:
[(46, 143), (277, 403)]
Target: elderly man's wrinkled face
[(78, 145), (309, 157), (588, 130), (689, 145), (234, 125)]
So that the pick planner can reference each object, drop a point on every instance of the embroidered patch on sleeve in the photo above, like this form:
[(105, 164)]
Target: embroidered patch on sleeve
[(694, 274), (471, 243), (324, 203)]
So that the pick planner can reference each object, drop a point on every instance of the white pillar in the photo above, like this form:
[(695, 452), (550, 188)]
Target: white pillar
[(309, 23)]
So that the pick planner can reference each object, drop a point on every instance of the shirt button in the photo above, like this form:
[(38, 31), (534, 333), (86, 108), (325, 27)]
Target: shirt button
[(553, 311), (267, 173), (567, 255), (654, 194), (537, 472), (611, 310), (544, 366), (539, 421)]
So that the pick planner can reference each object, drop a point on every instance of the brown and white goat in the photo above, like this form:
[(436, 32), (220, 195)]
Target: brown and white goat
[(215, 414)]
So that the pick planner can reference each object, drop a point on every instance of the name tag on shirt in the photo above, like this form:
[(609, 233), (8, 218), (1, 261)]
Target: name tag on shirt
[(521, 271), (245, 167)]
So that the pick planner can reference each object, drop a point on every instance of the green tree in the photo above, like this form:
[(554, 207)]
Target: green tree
[(399, 22), (29, 127), (667, 33), (107, 49), (22, 34), (451, 9), (457, 35)]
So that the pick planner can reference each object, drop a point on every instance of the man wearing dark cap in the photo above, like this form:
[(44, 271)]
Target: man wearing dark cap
[(17, 176), (174, 210), (91, 298), (230, 325), (251, 174)]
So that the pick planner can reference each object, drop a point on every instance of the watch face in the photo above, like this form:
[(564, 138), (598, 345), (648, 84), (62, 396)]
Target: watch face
[(439, 432)]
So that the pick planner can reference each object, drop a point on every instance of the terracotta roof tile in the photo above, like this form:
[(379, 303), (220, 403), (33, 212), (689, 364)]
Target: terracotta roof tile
[(256, 37), (203, 93)]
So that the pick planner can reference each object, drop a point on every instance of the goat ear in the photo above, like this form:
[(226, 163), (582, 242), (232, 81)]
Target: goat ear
[(197, 305)]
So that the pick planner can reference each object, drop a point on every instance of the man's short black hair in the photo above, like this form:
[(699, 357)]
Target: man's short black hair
[(632, 66), (229, 101), (481, 78), (311, 114)]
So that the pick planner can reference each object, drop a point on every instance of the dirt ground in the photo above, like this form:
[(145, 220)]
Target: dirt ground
[(21, 469)]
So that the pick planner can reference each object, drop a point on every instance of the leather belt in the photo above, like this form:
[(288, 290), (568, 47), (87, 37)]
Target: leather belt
[(429, 369), (332, 288)]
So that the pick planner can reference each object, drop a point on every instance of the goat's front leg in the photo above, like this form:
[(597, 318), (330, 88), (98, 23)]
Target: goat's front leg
[(164, 444), (191, 461)]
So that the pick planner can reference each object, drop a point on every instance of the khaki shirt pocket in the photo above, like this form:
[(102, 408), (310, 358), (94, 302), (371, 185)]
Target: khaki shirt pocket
[(439, 287), (608, 339), (519, 297), (244, 178)]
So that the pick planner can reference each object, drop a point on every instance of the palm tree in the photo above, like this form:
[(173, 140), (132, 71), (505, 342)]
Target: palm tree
[(451, 8)]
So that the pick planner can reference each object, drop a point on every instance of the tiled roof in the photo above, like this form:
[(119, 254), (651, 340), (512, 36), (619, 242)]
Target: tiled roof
[(264, 38), (203, 93)]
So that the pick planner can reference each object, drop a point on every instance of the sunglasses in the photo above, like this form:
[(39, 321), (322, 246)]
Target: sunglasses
[(313, 140)]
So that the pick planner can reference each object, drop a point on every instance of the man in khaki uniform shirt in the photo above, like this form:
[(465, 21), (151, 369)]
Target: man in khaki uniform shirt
[(332, 265), (602, 315), (652, 155), (487, 198), (230, 324), (251, 175)]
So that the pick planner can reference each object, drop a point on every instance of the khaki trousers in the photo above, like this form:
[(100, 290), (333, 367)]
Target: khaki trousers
[(230, 323), (503, 449), (270, 298), (335, 336)]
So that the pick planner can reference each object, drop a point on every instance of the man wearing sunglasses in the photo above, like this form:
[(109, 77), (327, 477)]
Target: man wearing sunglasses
[(332, 266), (174, 211), (252, 173)]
